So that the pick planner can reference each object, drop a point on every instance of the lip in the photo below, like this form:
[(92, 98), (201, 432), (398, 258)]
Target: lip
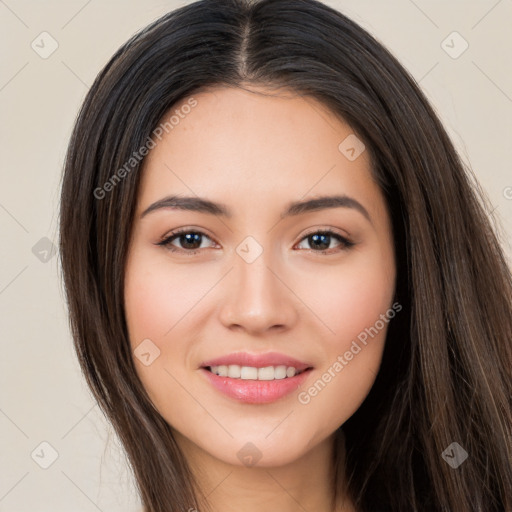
[(256, 391), (257, 360)]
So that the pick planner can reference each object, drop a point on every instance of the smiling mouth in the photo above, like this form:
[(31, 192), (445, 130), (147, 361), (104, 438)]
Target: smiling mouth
[(267, 373)]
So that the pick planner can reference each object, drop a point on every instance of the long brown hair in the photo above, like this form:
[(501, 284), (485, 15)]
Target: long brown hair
[(446, 373)]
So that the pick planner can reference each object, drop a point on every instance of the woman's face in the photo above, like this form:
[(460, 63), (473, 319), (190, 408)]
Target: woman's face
[(262, 282)]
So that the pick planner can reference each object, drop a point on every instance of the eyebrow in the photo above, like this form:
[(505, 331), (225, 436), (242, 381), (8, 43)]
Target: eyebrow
[(198, 204)]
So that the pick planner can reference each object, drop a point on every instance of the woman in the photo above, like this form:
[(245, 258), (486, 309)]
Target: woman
[(284, 289)]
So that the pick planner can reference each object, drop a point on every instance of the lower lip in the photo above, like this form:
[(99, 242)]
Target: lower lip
[(256, 391)]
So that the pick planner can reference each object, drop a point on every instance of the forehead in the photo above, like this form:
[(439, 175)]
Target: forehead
[(245, 147)]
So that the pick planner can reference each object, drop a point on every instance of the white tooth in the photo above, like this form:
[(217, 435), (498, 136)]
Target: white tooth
[(279, 372), (248, 372), (234, 371), (214, 369), (266, 373)]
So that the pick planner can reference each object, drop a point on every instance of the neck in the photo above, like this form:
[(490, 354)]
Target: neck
[(304, 484)]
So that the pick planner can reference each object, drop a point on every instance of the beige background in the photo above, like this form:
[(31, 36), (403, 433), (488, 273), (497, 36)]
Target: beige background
[(43, 397)]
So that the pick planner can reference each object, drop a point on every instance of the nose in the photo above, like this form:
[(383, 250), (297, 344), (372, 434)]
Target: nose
[(257, 298)]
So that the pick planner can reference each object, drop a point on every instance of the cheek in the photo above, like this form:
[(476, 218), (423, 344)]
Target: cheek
[(354, 301), (350, 298), (157, 303), (157, 300)]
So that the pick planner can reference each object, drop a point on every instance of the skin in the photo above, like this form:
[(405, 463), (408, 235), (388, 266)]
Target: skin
[(255, 154)]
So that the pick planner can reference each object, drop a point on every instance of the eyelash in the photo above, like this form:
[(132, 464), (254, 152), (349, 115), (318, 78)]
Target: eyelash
[(166, 242)]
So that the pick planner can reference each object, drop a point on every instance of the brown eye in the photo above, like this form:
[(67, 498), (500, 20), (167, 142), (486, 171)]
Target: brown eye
[(320, 241), (189, 241)]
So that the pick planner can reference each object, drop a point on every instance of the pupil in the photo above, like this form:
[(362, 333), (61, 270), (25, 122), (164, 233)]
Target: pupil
[(191, 239), (322, 239)]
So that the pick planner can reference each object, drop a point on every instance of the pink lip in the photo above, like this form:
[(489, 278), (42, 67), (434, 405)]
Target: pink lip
[(256, 391), (257, 360)]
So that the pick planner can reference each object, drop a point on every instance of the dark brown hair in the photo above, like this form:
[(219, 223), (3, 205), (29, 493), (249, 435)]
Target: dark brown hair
[(446, 373)]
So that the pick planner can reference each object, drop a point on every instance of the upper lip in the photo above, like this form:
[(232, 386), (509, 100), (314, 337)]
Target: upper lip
[(257, 360)]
